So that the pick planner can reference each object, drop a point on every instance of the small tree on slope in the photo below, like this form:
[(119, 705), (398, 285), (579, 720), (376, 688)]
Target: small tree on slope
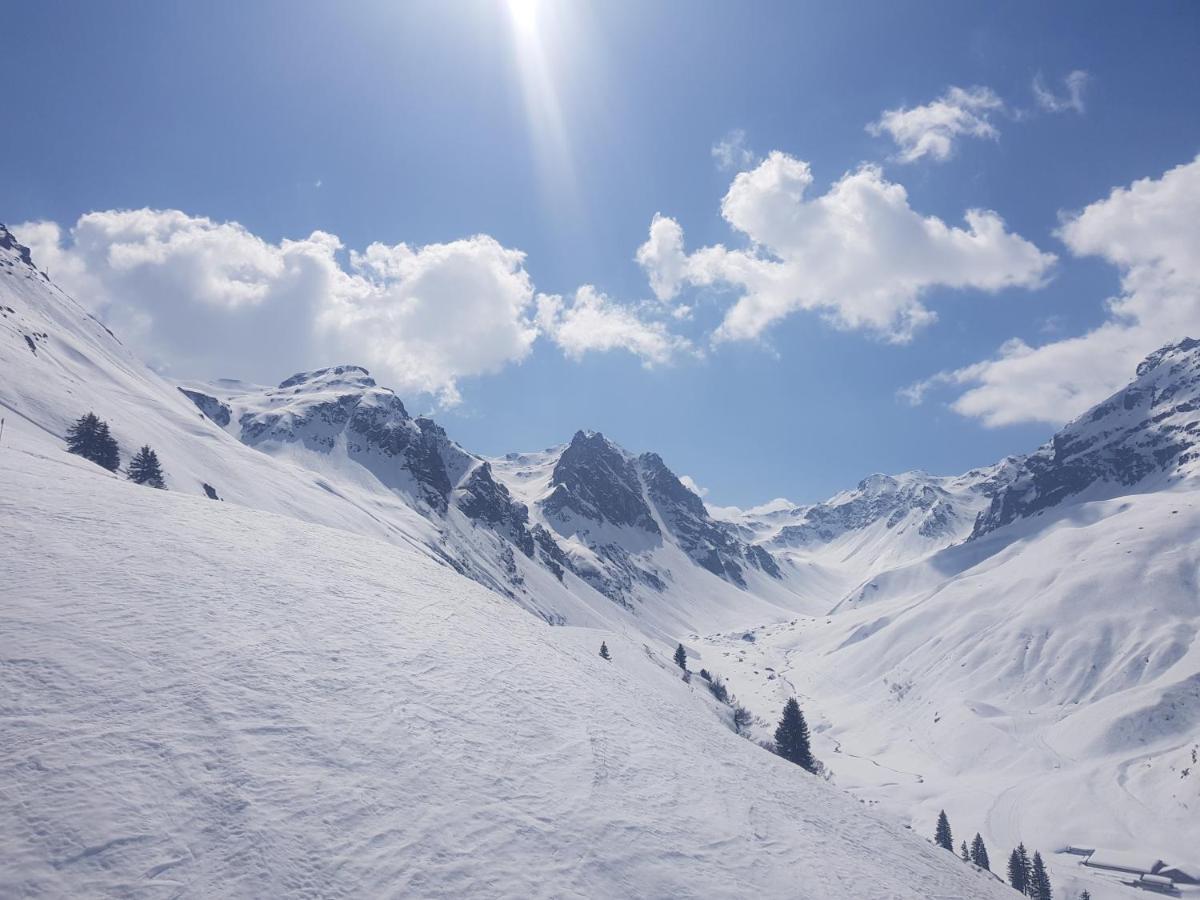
[(144, 468), (979, 854), (942, 835), (90, 438), (681, 657), (791, 737), (964, 853), (604, 651), (1039, 881)]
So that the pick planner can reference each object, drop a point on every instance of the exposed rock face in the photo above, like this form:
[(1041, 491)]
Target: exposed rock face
[(618, 507), (1147, 429), (212, 407), (484, 499), (596, 480), (9, 242), (713, 545), (342, 409)]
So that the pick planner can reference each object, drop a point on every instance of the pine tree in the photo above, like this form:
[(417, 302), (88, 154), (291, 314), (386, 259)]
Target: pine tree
[(742, 719), (942, 836), (107, 454), (144, 468), (90, 438), (681, 657), (791, 737), (604, 651), (1026, 867), (979, 854), (1039, 881), (1085, 895), (1017, 875), (81, 436), (963, 852)]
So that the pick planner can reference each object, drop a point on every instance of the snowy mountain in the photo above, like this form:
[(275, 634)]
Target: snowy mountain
[(245, 705), (1039, 677), (594, 518), (1016, 644), (885, 520), (294, 693), (1143, 437)]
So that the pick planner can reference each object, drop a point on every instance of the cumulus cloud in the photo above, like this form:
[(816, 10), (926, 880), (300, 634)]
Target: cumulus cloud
[(1150, 231), (200, 296), (1070, 100), (690, 483), (731, 152), (662, 257), (859, 253), (933, 129), (591, 322)]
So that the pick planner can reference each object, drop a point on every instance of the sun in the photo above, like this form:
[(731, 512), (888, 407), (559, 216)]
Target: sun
[(524, 14)]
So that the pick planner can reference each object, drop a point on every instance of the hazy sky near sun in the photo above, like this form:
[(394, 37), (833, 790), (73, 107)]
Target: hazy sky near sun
[(785, 245)]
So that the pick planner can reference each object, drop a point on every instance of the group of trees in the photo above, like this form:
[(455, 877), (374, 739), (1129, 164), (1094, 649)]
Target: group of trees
[(1029, 876), (90, 438), (976, 853), (1025, 874), (792, 740)]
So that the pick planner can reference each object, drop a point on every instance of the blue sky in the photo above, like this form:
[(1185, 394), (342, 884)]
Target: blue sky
[(559, 130)]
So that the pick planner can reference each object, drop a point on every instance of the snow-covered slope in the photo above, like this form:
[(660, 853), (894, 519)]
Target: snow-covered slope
[(1040, 680), (200, 699)]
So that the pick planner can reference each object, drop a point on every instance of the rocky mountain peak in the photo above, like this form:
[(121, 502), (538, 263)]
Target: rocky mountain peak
[(596, 480), (1147, 431), (347, 377), (8, 241)]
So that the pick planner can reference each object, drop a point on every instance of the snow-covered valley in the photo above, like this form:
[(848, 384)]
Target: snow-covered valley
[(370, 668)]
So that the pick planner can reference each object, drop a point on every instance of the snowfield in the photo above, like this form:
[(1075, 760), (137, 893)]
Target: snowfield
[(200, 700), (1006, 681)]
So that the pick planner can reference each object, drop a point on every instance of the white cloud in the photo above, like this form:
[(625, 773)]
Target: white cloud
[(1150, 231), (731, 152), (662, 257), (932, 130), (203, 297), (591, 322), (858, 253), (1072, 99), (690, 483)]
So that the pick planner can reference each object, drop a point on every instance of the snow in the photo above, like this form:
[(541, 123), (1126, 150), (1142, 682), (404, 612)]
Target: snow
[(1039, 684), (202, 699)]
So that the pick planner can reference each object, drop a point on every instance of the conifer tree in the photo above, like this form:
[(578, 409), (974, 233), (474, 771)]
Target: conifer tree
[(144, 468), (742, 718), (604, 651), (1026, 867), (942, 836), (81, 436), (1039, 880), (90, 438), (964, 853), (107, 454), (1016, 872), (1085, 895), (681, 657), (979, 854), (791, 737)]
